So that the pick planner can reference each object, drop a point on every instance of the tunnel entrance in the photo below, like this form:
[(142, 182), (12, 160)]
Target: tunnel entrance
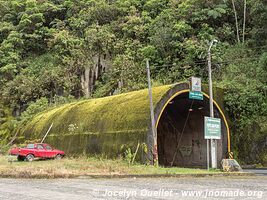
[(180, 133)]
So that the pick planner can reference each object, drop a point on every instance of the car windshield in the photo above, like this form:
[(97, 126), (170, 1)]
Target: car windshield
[(30, 146)]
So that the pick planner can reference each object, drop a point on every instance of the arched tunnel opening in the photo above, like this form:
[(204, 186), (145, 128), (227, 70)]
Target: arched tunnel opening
[(180, 133)]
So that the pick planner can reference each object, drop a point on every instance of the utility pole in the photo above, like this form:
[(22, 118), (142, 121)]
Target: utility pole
[(152, 116), (213, 141)]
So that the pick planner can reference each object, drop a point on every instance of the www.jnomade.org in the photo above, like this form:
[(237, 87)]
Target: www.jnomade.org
[(221, 193)]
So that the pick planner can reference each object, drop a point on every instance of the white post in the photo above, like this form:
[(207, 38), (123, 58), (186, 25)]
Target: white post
[(152, 116), (47, 133), (213, 141), (208, 155)]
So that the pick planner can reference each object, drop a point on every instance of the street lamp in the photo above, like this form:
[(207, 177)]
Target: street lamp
[(213, 141)]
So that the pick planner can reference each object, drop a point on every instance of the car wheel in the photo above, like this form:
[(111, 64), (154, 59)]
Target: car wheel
[(58, 157), (30, 158), (20, 158)]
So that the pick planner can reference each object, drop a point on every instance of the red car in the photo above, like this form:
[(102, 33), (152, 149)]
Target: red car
[(39, 150)]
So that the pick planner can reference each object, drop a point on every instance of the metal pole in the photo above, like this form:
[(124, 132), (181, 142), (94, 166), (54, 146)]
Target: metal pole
[(152, 116), (47, 133), (213, 141), (208, 155)]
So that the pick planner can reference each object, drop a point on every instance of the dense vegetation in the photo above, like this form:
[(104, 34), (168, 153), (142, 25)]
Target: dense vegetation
[(57, 50)]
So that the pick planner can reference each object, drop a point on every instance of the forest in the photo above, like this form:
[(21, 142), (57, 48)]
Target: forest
[(58, 51)]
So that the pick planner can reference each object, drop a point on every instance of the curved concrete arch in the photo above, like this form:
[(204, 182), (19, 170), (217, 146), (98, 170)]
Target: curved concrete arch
[(217, 106), (182, 89)]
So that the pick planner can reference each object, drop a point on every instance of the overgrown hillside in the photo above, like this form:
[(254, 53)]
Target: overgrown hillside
[(56, 51)]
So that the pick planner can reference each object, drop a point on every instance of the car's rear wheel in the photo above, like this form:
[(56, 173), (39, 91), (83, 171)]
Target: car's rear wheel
[(20, 158), (58, 157), (30, 158)]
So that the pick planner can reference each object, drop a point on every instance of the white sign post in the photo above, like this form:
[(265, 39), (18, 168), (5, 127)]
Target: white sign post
[(195, 89), (196, 93), (195, 84)]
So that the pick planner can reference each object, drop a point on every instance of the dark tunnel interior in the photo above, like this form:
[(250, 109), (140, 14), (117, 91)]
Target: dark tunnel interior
[(180, 133)]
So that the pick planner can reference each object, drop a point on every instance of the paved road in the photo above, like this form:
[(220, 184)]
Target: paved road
[(261, 172), (131, 188)]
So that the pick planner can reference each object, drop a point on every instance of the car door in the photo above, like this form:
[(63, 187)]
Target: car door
[(49, 151), (40, 151)]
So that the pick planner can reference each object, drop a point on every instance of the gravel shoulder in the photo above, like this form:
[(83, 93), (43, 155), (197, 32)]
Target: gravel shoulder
[(135, 188)]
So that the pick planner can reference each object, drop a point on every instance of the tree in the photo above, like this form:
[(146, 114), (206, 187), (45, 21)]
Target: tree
[(246, 102), (244, 20), (236, 22)]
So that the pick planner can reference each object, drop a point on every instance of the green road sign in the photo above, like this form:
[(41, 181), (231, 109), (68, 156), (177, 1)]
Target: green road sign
[(195, 95), (212, 128)]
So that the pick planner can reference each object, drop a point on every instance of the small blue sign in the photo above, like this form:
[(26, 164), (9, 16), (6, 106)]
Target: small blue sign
[(195, 95)]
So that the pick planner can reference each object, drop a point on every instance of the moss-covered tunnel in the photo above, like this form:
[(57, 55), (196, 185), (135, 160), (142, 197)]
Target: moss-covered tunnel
[(110, 125)]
